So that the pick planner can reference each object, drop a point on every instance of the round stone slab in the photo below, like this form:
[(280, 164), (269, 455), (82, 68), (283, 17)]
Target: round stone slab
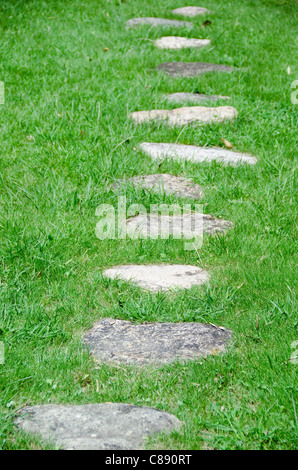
[(165, 183), (191, 69), (104, 426), (157, 343), (185, 225), (193, 97), (156, 277), (188, 115), (191, 12), (176, 42), (158, 22), (196, 154)]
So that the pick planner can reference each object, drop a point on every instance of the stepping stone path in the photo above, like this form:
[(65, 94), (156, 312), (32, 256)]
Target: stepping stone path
[(156, 277), (188, 115), (158, 22), (104, 426), (193, 97), (196, 154), (176, 42), (191, 12), (155, 343), (164, 183), (191, 69), (120, 426), (186, 225)]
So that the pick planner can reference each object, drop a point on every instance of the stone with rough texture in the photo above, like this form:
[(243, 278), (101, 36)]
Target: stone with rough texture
[(193, 97), (176, 42), (121, 341), (164, 183), (191, 12), (196, 154), (158, 22), (187, 225), (157, 277), (103, 426), (187, 115), (191, 69)]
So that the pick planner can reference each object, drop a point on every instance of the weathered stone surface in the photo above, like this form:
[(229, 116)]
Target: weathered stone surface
[(191, 69), (187, 115), (176, 42), (193, 97), (158, 343), (196, 154), (158, 22), (183, 225), (157, 277), (164, 183), (104, 426), (191, 12)]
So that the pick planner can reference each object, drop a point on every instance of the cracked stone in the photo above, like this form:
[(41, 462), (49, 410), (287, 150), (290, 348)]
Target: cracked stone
[(121, 341)]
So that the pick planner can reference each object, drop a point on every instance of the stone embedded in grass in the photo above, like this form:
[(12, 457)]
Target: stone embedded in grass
[(175, 42), (196, 154), (158, 22), (103, 426), (180, 225), (187, 115), (193, 97), (164, 183), (121, 341), (158, 277), (191, 12), (191, 69)]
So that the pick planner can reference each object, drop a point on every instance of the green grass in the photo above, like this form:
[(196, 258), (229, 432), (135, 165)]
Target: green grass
[(60, 150)]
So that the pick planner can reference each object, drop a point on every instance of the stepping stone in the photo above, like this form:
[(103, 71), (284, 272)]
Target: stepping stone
[(157, 343), (191, 69), (156, 277), (187, 225), (176, 42), (196, 154), (103, 426), (158, 22), (191, 12), (164, 183), (188, 115), (193, 97)]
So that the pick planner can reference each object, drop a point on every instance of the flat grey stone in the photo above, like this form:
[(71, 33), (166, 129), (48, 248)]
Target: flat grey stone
[(187, 115), (158, 22), (157, 343), (191, 69), (176, 42), (190, 225), (103, 426), (196, 154), (193, 97), (164, 183), (191, 12), (157, 277)]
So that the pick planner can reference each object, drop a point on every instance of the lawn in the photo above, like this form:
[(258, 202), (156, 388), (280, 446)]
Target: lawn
[(72, 72)]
